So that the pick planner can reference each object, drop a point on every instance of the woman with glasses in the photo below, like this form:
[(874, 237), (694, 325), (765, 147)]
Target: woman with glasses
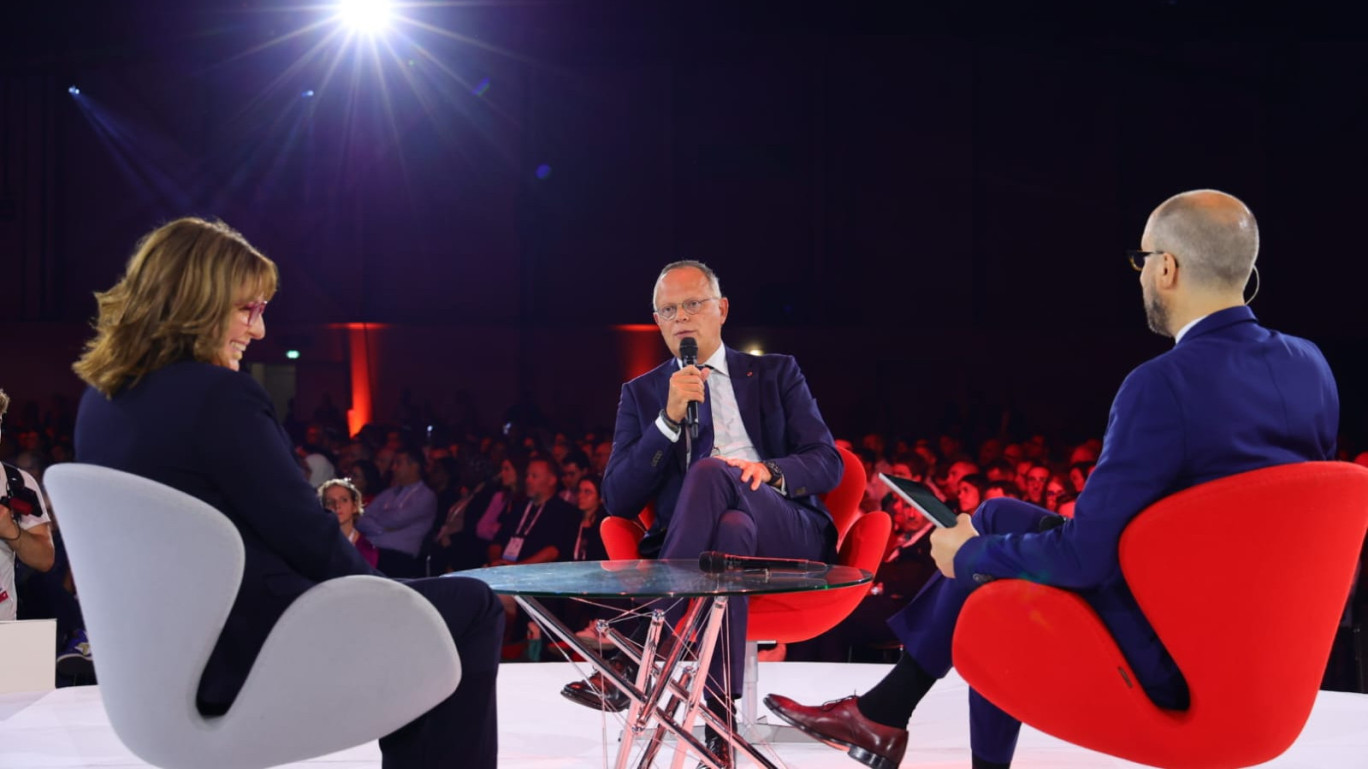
[(344, 500), (1058, 490), (589, 500), (167, 401)]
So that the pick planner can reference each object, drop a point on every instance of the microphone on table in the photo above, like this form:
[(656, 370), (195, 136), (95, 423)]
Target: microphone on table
[(713, 562), (688, 355)]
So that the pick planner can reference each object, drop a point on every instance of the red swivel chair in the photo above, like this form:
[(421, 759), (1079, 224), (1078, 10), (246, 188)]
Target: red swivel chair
[(1244, 580), (788, 618)]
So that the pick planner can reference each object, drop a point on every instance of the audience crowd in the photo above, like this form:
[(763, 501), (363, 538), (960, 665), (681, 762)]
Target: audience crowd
[(421, 498)]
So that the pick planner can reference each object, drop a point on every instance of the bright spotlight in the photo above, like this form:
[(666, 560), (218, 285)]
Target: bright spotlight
[(368, 17), (73, 90), (292, 354)]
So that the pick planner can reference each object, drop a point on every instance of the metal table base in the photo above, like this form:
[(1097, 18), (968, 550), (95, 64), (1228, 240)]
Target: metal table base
[(657, 695)]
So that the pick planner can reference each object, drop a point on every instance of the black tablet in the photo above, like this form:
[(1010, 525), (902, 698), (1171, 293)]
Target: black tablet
[(923, 499)]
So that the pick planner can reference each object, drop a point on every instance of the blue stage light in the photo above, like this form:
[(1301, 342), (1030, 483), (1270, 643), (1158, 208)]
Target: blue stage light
[(307, 94), (543, 171), (292, 354), (369, 17), (73, 90)]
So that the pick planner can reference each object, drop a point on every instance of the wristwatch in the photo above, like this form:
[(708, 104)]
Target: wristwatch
[(776, 475)]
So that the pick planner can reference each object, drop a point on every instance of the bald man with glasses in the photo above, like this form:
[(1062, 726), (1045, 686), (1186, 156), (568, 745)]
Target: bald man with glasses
[(1230, 397)]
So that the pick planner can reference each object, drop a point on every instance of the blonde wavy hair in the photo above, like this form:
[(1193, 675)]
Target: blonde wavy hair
[(174, 302), (346, 484)]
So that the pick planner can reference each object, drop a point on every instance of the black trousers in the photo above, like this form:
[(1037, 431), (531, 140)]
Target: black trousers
[(399, 565), (462, 730)]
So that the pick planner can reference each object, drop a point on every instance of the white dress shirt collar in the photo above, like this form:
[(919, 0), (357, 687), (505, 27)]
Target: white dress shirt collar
[(1179, 336), (717, 362)]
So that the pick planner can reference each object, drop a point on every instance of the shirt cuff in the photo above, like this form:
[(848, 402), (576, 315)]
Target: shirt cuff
[(666, 430)]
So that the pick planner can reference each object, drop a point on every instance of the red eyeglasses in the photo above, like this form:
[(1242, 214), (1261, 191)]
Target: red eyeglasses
[(254, 311)]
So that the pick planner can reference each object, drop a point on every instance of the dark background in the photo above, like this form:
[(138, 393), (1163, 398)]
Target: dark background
[(927, 203)]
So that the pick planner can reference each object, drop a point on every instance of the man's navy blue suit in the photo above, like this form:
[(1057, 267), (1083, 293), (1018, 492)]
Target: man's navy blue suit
[(212, 433), (1231, 396), (781, 419)]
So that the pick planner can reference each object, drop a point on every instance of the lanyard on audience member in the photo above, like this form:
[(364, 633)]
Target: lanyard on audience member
[(520, 531)]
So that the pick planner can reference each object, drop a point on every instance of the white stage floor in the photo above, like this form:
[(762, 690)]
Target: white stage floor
[(67, 728)]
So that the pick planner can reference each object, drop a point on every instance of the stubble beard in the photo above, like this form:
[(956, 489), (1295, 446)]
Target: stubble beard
[(1157, 316)]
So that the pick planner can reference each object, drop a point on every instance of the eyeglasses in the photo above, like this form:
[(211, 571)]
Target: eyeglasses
[(1137, 258), (691, 306), (254, 311)]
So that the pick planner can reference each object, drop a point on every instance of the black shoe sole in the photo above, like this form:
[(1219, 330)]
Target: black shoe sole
[(863, 755), (76, 667)]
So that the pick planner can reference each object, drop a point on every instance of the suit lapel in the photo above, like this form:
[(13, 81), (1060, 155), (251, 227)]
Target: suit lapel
[(747, 390)]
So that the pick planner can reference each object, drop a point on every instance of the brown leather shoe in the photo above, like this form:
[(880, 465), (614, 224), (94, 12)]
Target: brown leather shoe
[(840, 724)]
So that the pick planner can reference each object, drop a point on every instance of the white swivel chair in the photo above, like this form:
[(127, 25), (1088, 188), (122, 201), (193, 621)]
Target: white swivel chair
[(158, 570)]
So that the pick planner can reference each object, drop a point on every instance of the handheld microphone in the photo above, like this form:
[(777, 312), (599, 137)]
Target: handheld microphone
[(688, 355), (713, 562)]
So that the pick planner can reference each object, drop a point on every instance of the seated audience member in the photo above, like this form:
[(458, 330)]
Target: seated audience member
[(865, 636), (540, 530), (602, 451), (1066, 505), (909, 526), (1034, 490), (875, 489), (990, 452), (494, 515), (543, 528), (1012, 454), (1002, 489), (1001, 470), (365, 477), (1230, 397), (560, 448), (574, 467), (957, 470), (317, 457), (25, 528), (923, 449), (1078, 475), (1036, 448), (589, 542), (455, 545), (1022, 468), (344, 500), (1087, 451), (351, 453), (1057, 490), (970, 493), (166, 401), (444, 480), (401, 516), (589, 547)]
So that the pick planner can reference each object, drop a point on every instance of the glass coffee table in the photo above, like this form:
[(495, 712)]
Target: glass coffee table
[(664, 682)]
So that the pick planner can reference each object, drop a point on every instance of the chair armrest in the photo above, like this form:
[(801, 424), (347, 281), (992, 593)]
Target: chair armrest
[(367, 644)]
